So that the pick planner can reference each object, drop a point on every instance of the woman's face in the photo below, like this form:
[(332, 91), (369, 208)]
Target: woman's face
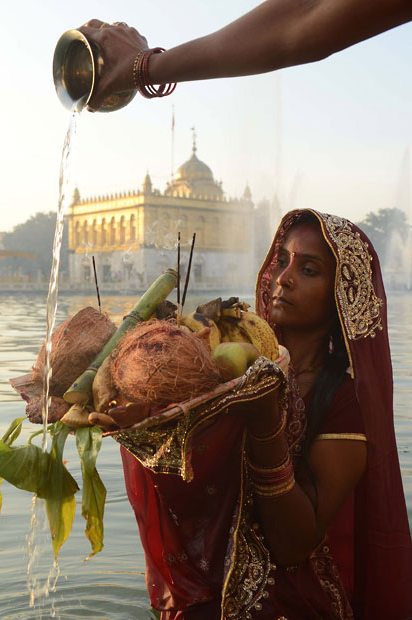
[(302, 287)]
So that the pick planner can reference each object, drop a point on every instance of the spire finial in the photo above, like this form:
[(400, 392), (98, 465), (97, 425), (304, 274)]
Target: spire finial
[(194, 147)]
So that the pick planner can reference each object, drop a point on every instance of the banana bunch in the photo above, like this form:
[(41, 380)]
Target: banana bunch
[(232, 321), (196, 322), (238, 324)]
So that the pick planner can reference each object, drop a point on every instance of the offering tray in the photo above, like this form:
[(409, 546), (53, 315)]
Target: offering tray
[(162, 442)]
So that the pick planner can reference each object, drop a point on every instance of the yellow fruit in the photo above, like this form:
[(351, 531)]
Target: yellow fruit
[(231, 360), (230, 332), (233, 312), (260, 334), (196, 322), (251, 351)]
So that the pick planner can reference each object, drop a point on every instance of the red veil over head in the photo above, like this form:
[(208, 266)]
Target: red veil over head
[(206, 558), (383, 553)]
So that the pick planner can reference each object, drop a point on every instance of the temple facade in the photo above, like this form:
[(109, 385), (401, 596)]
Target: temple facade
[(133, 235)]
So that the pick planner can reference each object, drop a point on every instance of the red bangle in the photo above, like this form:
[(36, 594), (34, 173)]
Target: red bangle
[(141, 76), (272, 481)]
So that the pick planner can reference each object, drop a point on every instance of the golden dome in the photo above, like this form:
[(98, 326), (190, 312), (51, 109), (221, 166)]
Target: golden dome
[(194, 179), (194, 169)]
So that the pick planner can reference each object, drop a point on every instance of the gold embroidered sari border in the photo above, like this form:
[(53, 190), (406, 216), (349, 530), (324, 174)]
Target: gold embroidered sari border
[(353, 436)]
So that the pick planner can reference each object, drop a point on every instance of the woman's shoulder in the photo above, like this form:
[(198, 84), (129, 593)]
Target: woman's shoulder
[(344, 418)]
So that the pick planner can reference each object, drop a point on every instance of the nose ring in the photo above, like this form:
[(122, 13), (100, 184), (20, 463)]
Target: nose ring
[(290, 280)]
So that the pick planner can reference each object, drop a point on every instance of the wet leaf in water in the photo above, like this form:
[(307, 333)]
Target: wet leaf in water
[(11, 435), (60, 502), (89, 440), (29, 468)]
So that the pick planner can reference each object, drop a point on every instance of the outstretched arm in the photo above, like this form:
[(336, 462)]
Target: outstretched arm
[(278, 34), (274, 35)]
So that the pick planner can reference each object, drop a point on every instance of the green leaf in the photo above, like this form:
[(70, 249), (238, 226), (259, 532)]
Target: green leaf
[(13, 431), (60, 512), (29, 468), (60, 503), (89, 440), (11, 435), (25, 467)]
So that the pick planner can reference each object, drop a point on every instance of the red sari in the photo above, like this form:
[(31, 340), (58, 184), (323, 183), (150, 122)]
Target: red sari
[(206, 558)]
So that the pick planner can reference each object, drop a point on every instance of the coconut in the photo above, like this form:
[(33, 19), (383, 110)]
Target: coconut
[(159, 363), (75, 344)]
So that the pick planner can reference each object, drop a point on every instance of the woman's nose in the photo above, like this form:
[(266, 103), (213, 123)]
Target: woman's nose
[(285, 278)]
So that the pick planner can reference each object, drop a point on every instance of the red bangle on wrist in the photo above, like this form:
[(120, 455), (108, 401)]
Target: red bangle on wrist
[(141, 76), (272, 481)]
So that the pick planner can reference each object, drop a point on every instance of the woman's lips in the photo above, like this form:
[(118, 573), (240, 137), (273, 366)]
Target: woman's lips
[(279, 301)]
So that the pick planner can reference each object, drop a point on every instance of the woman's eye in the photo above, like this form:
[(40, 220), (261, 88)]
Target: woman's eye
[(308, 271), (281, 261)]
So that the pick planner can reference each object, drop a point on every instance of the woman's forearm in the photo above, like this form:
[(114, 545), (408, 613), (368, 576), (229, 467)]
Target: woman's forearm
[(293, 517), (278, 34), (288, 522)]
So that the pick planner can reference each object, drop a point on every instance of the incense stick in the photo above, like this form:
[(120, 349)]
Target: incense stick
[(178, 271), (178, 281), (188, 270), (97, 286)]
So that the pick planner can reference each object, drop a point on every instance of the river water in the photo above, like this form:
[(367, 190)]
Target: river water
[(111, 585)]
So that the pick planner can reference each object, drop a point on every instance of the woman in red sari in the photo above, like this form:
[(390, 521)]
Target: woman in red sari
[(296, 509)]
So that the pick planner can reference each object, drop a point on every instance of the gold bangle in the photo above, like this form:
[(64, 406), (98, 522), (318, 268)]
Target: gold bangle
[(274, 435), (275, 491), (269, 470)]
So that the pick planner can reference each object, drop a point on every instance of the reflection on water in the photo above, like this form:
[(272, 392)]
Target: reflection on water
[(111, 585)]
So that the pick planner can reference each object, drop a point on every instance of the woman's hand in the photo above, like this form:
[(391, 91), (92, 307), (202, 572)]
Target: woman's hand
[(121, 417), (119, 45)]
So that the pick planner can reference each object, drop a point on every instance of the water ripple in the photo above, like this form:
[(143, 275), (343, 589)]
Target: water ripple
[(111, 585)]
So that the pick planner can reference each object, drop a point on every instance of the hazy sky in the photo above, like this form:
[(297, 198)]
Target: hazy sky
[(330, 135)]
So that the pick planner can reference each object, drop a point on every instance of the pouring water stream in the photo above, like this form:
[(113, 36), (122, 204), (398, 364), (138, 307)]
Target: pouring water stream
[(38, 522)]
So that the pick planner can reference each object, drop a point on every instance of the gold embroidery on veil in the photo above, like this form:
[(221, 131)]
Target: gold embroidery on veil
[(358, 301)]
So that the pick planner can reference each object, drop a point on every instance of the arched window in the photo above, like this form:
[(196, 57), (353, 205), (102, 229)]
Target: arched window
[(201, 230), (216, 238), (122, 231), (132, 228), (184, 230), (94, 233), (85, 233), (104, 232), (112, 231), (77, 234)]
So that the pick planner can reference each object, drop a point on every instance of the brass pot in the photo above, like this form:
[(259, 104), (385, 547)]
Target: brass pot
[(77, 67)]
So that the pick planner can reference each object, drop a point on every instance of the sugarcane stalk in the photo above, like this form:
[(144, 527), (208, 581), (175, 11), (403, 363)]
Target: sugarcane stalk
[(80, 392)]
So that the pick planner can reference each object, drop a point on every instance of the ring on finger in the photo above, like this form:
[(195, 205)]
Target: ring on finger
[(102, 25), (119, 24)]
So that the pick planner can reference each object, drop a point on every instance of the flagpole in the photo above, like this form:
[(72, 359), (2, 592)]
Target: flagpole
[(173, 145)]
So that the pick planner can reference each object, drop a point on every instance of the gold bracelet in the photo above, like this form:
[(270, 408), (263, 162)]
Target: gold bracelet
[(274, 435), (275, 491), (269, 470)]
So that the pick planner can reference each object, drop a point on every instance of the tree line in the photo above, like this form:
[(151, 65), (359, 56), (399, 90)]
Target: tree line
[(36, 235)]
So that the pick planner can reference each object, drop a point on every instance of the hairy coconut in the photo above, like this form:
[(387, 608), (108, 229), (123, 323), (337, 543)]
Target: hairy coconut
[(75, 344), (159, 363)]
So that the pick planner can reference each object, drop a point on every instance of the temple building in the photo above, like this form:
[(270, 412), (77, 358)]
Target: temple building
[(133, 235)]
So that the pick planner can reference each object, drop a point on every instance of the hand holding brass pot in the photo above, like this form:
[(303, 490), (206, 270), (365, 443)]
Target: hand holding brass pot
[(82, 57)]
